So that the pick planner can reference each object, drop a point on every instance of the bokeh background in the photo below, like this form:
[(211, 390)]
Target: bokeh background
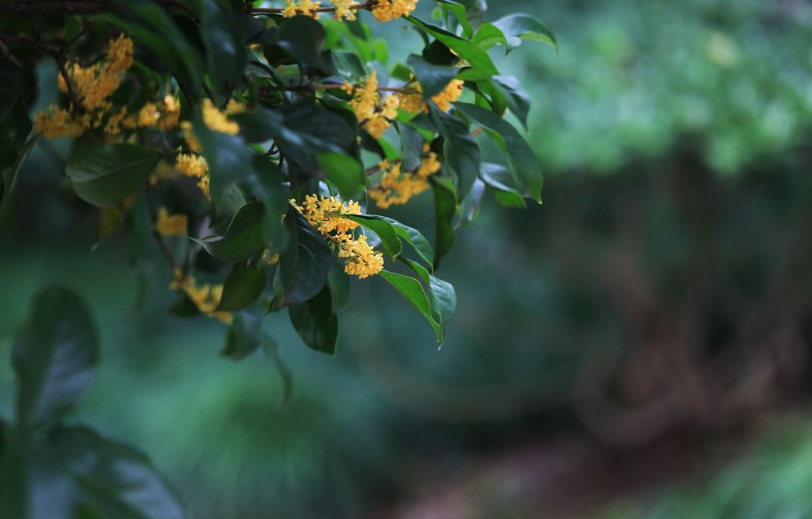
[(636, 347)]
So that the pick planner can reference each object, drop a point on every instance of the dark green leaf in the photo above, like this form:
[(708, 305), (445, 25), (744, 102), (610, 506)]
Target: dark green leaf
[(265, 182), (523, 163), (460, 150), (414, 238), (303, 266), (243, 286), (8, 184), (316, 323), (228, 158), (432, 78), (105, 175), (222, 32), (300, 39), (442, 297), (339, 286), (502, 184), (345, 172), (54, 356), (518, 27), (11, 84), (246, 235)]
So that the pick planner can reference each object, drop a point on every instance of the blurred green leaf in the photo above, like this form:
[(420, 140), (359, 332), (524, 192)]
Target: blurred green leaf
[(222, 32), (346, 172), (11, 84), (243, 286), (54, 357), (105, 175), (244, 336), (300, 39), (316, 323), (445, 207)]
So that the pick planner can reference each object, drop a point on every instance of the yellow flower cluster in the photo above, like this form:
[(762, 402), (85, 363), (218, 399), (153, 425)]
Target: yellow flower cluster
[(301, 7), (93, 86), (324, 214), (205, 297), (398, 187), (374, 113), (413, 102), (195, 166), (386, 10), (171, 224)]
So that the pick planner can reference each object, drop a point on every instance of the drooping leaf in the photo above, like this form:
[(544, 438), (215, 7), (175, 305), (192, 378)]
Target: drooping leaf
[(54, 357), (523, 163), (105, 175), (469, 207), (244, 336), (246, 235), (519, 27), (442, 297), (243, 286), (502, 184), (316, 323)]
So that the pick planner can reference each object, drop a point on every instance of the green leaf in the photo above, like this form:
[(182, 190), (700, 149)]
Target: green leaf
[(54, 357), (488, 36), (265, 181), (222, 33), (246, 235), (316, 323), (384, 229), (414, 238), (243, 286), (469, 208), (432, 78), (413, 291), (345, 172), (105, 175), (445, 207), (303, 266), (460, 150), (502, 184), (523, 163), (8, 184), (442, 297), (519, 27), (300, 39), (112, 479), (482, 66), (468, 12), (507, 92), (244, 336)]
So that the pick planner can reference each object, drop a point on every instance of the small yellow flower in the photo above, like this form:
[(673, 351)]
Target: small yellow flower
[(412, 101), (343, 10), (386, 10), (303, 7), (324, 214), (374, 114), (217, 120), (171, 224), (195, 166), (170, 113), (397, 187), (205, 297)]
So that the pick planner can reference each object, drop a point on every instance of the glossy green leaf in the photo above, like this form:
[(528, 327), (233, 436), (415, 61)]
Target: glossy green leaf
[(345, 172), (433, 78), (243, 286), (413, 291), (54, 357), (469, 207), (414, 238), (246, 235), (385, 230), (482, 66), (105, 175), (8, 184), (489, 36), (460, 150), (502, 184), (519, 27), (523, 163), (316, 323)]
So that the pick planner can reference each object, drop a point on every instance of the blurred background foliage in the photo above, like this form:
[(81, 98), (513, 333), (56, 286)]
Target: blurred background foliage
[(637, 346)]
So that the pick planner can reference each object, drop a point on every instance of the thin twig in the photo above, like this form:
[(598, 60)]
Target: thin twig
[(6, 53)]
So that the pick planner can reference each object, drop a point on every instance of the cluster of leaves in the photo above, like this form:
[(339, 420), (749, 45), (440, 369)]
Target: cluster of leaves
[(294, 135)]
